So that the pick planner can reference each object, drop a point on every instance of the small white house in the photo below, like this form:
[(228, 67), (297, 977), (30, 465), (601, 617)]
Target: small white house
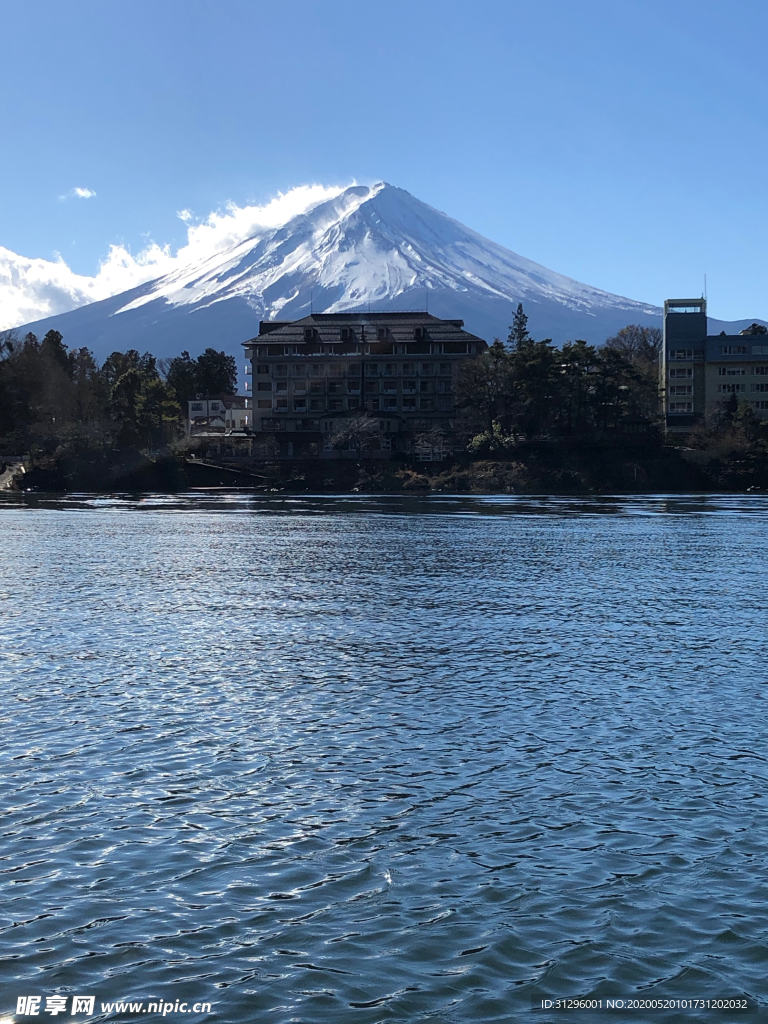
[(218, 414)]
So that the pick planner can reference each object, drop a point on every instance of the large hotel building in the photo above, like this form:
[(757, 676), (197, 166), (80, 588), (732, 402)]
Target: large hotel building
[(308, 377), (700, 372)]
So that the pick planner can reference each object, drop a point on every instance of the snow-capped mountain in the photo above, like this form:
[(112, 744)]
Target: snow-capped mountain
[(369, 248)]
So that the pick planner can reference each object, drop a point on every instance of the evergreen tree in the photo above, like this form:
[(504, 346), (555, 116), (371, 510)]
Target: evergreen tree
[(518, 332), (54, 348), (216, 373), (181, 376)]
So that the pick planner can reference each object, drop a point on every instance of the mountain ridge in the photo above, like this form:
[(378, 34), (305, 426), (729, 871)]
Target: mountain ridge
[(367, 247)]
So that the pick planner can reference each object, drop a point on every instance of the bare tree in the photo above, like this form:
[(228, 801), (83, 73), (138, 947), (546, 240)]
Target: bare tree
[(356, 435), (640, 345)]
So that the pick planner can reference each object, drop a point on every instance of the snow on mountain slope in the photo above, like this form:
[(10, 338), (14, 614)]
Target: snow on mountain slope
[(368, 247)]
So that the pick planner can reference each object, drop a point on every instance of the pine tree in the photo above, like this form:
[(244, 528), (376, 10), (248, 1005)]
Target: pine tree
[(518, 332)]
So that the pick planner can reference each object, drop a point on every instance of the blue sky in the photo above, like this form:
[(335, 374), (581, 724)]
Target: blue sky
[(622, 143)]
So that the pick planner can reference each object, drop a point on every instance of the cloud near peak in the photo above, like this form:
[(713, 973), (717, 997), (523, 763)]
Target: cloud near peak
[(32, 289)]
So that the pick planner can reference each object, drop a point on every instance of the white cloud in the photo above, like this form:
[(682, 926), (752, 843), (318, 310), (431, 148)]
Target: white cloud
[(31, 289), (184, 215), (79, 193)]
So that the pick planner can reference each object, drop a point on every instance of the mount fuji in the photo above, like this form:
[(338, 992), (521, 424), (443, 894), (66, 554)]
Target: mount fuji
[(370, 248)]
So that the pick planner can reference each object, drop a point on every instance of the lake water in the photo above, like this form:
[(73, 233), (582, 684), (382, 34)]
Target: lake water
[(384, 759)]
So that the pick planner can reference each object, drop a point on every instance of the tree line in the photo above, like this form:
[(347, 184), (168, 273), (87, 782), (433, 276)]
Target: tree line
[(533, 388), (51, 395)]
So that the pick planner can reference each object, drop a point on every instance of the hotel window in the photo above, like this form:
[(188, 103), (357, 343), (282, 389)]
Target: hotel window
[(683, 371), (373, 403), (281, 404), (425, 386), (731, 371), (762, 404), (264, 385), (427, 369), (317, 370), (309, 334), (445, 368), (316, 404), (299, 405), (759, 387), (196, 406), (409, 403), (335, 404), (316, 388), (381, 333), (729, 389), (390, 403), (345, 333), (681, 406), (281, 387), (409, 387), (681, 389), (418, 333), (682, 353), (264, 403), (281, 370), (760, 371), (426, 403), (334, 387), (733, 350), (262, 368), (760, 350)]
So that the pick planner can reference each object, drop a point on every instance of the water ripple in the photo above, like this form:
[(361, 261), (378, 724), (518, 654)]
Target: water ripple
[(383, 759)]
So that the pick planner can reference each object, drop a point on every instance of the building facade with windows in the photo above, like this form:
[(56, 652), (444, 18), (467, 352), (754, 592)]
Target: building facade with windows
[(308, 377), (218, 414), (700, 372)]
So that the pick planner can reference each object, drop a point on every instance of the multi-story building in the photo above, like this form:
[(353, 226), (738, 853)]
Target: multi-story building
[(310, 376), (700, 372)]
